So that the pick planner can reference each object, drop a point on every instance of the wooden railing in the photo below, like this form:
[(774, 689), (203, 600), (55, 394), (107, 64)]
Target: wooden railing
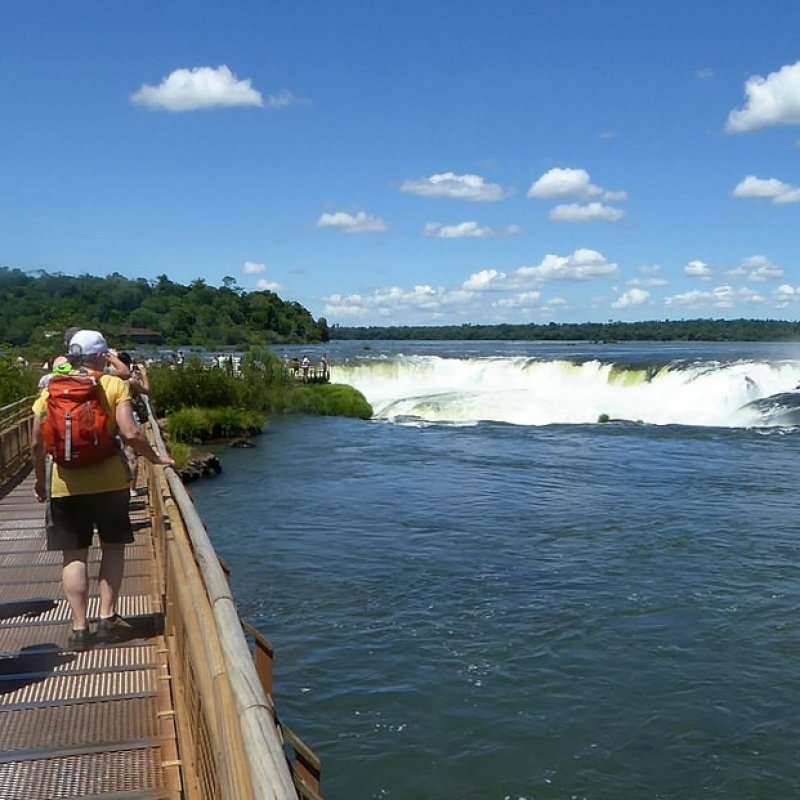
[(16, 427), (227, 724)]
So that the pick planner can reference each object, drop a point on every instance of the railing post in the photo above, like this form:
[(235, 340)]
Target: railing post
[(263, 657)]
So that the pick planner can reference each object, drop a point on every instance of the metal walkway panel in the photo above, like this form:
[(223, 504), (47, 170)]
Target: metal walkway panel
[(83, 725), (70, 727), (81, 776)]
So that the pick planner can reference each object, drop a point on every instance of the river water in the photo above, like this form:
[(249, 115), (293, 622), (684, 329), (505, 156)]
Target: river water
[(485, 594)]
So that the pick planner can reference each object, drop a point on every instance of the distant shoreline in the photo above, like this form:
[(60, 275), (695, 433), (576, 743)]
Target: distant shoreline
[(695, 330)]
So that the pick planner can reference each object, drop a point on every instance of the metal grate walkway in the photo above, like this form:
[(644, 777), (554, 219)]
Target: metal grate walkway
[(97, 725)]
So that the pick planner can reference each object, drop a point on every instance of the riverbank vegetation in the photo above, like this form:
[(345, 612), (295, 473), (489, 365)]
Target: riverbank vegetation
[(16, 381), (690, 330), (37, 307), (201, 403)]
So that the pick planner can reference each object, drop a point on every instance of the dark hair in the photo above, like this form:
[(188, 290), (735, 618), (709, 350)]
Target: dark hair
[(125, 358), (70, 332)]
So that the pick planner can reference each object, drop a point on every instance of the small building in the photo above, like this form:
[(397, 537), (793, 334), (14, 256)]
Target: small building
[(141, 336)]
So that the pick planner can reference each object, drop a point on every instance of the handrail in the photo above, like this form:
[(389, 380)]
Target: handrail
[(16, 435), (269, 770), (13, 408)]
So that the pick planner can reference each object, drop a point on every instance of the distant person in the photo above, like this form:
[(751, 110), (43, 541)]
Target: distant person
[(180, 359), (139, 387), (60, 365), (295, 366), (69, 333), (83, 478), (323, 365), (229, 365), (305, 364)]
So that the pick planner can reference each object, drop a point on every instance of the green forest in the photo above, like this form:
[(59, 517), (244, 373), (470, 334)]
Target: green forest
[(692, 330), (36, 305)]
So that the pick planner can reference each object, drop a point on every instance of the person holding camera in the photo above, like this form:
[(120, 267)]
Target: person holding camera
[(87, 486)]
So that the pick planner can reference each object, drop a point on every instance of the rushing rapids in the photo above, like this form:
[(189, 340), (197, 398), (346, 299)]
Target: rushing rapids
[(528, 391)]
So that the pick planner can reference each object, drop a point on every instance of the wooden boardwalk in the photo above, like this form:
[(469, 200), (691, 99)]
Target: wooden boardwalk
[(96, 724), (180, 710)]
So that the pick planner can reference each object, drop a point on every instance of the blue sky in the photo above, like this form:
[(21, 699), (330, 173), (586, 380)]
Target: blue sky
[(413, 162)]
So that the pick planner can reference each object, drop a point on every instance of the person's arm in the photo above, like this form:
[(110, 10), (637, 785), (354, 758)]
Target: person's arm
[(133, 436), (39, 454), (138, 386), (141, 376), (121, 369)]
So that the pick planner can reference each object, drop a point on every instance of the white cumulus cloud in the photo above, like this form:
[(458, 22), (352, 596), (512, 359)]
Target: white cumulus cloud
[(633, 297), (785, 294), (252, 268), (582, 265), (591, 212), (489, 291), (774, 100), (724, 296), (197, 89), (484, 280), (698, 269), (566, 182), (521, 300), (771, 189), (652, 273), (648, 282), (468, 230), (268, 286), (458, 187), (386, 301), (361, 222), (760, 268), (559, 183)]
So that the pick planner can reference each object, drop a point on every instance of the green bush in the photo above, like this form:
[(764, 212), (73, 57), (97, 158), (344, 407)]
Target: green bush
[(187, 424), (192, 385), (200, 424), (227, 422), (181, 453), (16, 381), (330, 399)]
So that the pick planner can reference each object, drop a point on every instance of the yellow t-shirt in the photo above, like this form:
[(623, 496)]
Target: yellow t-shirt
[(110, 475)]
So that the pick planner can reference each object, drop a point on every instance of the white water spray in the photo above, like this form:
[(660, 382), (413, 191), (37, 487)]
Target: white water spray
[(522, 391)]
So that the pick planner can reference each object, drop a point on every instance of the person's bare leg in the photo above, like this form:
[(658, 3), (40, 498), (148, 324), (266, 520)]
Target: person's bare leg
[(76, 585), (112, 567), (133, 464)]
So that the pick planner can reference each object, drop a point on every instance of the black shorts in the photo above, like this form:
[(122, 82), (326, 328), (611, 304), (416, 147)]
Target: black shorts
[(71, 520)]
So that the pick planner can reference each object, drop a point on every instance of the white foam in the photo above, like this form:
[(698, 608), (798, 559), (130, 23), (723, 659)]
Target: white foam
[(522, 391)]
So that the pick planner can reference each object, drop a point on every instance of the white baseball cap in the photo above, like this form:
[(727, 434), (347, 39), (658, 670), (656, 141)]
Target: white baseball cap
[(88, 343)]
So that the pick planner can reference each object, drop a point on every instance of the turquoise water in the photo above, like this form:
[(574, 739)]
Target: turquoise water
[(479, 609)]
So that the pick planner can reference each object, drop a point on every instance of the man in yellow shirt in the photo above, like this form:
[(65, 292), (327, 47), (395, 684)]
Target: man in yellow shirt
[(81, 498)]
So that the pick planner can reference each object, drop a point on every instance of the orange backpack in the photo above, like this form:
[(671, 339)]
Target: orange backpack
[(76, 426)]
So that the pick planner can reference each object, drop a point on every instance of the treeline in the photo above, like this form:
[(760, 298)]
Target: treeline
[(35, 305), (692, 330)]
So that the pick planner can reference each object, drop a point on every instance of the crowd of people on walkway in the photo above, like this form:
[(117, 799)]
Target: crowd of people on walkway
[(302, 369)]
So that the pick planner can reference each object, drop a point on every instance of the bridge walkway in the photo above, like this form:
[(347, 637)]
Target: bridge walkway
[(94, 724)]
